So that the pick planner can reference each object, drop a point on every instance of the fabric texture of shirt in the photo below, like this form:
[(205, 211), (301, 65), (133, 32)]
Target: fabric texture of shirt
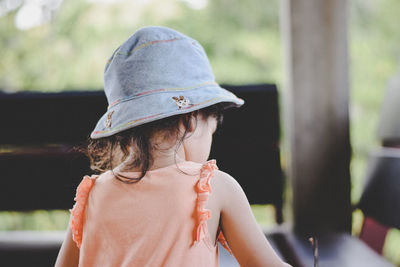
[(159, 221)]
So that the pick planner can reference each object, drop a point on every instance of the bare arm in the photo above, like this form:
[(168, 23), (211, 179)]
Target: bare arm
[(243, 234), (69, 252)]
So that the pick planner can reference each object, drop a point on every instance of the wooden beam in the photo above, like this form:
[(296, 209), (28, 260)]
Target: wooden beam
[(316, 100)]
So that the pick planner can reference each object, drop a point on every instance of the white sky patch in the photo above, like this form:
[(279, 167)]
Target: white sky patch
[(196, 4), (34, 13), (9, 5), (29, 16)]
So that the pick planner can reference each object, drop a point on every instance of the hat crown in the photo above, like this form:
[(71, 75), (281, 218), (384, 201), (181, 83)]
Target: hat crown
[(153, 59), (157, 73)]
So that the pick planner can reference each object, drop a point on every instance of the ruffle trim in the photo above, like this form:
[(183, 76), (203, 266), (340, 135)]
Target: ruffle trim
[(203, 190), (221, 239), (78, 211)]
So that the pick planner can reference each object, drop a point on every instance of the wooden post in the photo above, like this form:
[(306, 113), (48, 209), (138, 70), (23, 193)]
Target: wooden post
[(316, 101)]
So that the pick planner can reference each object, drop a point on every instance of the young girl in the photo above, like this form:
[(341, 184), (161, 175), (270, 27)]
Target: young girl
[(158, 201)]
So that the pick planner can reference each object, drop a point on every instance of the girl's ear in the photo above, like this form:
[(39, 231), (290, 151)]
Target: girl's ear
[(188, 123), (192, 124)]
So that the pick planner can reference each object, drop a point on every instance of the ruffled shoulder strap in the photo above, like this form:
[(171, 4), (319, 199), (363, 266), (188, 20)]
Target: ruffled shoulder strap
[(78, 211), (203, 190)]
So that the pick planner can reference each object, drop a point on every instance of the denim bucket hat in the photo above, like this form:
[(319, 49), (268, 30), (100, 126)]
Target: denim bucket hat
[(157, 73)]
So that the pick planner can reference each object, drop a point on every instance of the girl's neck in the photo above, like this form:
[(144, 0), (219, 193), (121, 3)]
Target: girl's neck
[(164, 158), (166, 154)]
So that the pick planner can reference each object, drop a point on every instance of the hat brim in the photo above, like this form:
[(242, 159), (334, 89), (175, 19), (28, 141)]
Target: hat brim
[(147, 108)]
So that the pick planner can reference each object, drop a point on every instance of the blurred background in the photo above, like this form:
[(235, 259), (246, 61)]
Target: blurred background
[(63, 45)]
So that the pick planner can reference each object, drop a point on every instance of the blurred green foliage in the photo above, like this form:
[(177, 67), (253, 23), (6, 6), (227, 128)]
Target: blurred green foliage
[(35, 220), (241, 38), (70, 52)]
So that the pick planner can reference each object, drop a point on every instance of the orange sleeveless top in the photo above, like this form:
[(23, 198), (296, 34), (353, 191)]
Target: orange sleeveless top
[(159, 221)]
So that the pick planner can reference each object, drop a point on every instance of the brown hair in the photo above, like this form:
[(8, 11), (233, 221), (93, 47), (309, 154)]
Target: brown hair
[(102, 152)]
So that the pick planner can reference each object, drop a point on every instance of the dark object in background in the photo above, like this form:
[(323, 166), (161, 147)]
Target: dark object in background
[(44, 128), (247, 145), (380, 200), (381, 194), (31, 118), (41, 169)]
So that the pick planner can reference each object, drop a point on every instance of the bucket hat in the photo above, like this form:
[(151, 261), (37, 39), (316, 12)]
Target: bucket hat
[(157, 73)]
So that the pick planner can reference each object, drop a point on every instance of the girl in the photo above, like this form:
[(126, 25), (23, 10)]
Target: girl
[(152, 203)]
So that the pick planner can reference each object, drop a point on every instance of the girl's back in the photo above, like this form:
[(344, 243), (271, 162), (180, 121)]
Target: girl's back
[(159, 221)]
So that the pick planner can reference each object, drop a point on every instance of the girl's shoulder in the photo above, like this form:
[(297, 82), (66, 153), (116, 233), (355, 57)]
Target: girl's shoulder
[(222, 178), (225, 187), (219, 177)]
